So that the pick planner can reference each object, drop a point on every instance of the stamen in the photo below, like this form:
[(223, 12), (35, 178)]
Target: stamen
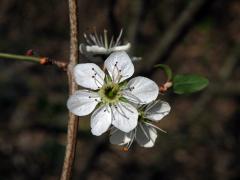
[(152, 125), (95, 76), (118, 75), (111, 42), (114, 130), (133, 98), (101, 40), (113, 117), (119, 37), (132, 137), (86, 38), (122, 112), (93, 39), (128, 109), (115, 65), (97, 39), (97, 81), (151, 105), (105, 39), (145, 133)]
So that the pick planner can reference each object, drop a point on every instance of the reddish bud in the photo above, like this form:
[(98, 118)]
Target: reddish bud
[(164, 87), (125, 149), (44, 61), (29, 52)]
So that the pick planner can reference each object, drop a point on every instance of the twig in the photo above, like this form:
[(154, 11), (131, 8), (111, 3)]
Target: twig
[(34, 59), (224, 75), (99, 148), (73, 120), (172, 34), (20, 57), (133, 29)]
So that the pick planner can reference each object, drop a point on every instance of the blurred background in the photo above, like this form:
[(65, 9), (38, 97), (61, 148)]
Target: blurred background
[(197, 36)]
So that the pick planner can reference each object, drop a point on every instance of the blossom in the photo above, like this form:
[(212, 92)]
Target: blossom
[(98, 44), (110, 94), (145, 133)]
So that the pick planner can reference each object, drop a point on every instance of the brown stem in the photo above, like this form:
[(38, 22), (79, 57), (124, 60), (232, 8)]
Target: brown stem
[(73, 120), (172, 34)]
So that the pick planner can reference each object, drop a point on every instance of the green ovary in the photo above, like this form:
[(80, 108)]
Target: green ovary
[(110, 93)]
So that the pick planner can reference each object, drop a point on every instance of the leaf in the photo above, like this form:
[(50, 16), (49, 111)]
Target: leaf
[(189, 83), (167, 70)]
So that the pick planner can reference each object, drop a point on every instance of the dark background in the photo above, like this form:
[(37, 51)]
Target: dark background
[(197, 36)]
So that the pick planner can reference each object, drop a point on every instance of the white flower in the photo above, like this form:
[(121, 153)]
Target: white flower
[(110, 93), (145, 133), (98, 44)]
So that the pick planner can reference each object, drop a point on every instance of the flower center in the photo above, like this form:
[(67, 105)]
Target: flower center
[(110, 93), (141, 116)]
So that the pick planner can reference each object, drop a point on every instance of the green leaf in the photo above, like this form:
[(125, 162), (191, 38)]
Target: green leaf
[(185, 84), (167, 70)]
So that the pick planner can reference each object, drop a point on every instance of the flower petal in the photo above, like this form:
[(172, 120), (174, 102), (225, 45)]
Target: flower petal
[(146, 135), (96, 49), (89, 75), (119, 66), (141, 90), (119, 137), (101, 120), (83, 102), (124, 116), (157, 110)]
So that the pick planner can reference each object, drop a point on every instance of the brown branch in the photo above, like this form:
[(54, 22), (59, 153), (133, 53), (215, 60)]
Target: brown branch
[(208, 94), (73, 120), (172, 34), (137, 7)]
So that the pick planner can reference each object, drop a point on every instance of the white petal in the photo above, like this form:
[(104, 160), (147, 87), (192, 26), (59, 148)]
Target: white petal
[(141, 90), (119, 137), (124, 116), (125, 47), (101, 120), (119, 66), (83, 102), (96, 49), (146, 135), (89, 75), (157, 110)]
